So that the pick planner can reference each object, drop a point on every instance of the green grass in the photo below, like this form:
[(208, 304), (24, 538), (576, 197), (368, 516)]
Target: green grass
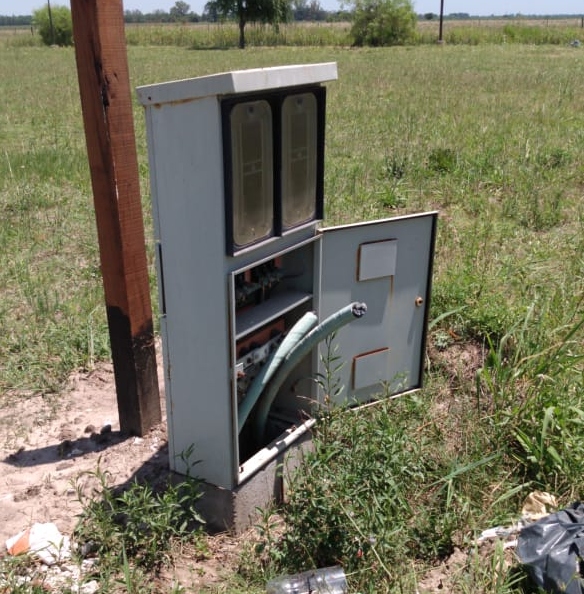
[(226, 35), (134, 532), (333, 34), (49, 271), (315, 34), (492, 136), (502, 30)]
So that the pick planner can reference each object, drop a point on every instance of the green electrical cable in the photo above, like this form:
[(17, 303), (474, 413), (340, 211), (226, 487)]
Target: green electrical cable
[(294, 356), (306, 323)]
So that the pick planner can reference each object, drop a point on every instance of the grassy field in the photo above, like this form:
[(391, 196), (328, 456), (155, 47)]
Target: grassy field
[(467, 32), (319, 34), (493, 137)]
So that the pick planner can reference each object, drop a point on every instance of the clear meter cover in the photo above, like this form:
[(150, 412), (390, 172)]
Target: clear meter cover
[(299, 159), (252, 163)]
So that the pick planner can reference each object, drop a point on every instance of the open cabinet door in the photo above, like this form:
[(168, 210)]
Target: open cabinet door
[(387, 265)]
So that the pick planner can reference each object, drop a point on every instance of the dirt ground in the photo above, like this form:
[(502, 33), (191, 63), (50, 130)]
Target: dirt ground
[(49, 448), (46, 452)]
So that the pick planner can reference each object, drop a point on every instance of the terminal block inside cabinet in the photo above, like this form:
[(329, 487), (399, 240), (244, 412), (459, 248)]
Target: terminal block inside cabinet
[(267, 299)]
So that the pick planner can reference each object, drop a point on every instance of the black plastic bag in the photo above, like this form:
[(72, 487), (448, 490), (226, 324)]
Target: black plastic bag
[(553, 550)]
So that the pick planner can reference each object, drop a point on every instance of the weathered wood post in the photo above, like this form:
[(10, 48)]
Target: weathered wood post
[(102, 67)]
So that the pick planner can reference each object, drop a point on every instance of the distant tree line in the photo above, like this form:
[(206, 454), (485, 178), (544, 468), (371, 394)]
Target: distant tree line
[(59, 30), (16, 21), (462, 16), (216, 10), (301, 10), (374, 22)]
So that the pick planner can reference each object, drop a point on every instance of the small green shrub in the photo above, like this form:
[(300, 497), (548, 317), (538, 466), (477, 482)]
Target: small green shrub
[(56, 27), (383, 22), (350, 503), (442, 160), (21, 575), (138, 525)]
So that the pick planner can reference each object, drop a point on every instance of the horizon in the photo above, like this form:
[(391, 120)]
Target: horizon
[(339, 8), (480, 8)]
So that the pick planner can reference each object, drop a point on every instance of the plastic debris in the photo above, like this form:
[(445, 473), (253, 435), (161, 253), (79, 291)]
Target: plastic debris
[(552, 549), (501, 533), (537, 505), (328, 580), (42, 540)]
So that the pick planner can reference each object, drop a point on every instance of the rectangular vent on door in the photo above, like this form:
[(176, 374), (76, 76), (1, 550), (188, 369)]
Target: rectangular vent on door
[(370, 368), (377, 259)]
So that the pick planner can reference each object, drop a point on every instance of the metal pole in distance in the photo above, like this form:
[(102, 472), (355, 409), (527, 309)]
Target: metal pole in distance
[(440, 37), (104, 86)]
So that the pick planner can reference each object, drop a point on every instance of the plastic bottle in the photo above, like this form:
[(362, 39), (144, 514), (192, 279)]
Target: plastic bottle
[(328, 580)]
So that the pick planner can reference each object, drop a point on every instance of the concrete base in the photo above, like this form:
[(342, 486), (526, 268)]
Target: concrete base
[(237, 510)]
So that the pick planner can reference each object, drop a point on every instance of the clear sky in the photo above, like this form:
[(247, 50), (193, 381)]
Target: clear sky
[(473, 7)]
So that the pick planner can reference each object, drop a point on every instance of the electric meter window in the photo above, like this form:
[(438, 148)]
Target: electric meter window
[(299, 159), (251, 144)]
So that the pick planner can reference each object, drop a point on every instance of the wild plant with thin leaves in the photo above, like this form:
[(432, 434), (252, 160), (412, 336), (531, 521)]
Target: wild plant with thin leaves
[(377, 494), (138, 524), (537, 388), (20, 575)]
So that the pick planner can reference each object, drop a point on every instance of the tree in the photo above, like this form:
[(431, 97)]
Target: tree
[(180, 11), (383, 22), (302, 10), (54, 25), (211, 12), (299, 10), (253, 11), (157, 16), (134, 16), (316, 12)]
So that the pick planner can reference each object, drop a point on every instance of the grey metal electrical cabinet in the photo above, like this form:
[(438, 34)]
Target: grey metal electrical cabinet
[(240, 259)]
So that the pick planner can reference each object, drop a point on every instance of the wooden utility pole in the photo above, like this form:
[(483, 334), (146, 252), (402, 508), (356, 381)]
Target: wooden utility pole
[(104, 85)]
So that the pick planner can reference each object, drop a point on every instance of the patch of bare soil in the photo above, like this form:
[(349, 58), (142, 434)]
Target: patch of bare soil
[(450, 575), (460, 361), (50, 450)]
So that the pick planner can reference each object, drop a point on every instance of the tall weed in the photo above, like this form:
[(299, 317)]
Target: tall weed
[(137, 525), (535, 378), (376, 493)]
